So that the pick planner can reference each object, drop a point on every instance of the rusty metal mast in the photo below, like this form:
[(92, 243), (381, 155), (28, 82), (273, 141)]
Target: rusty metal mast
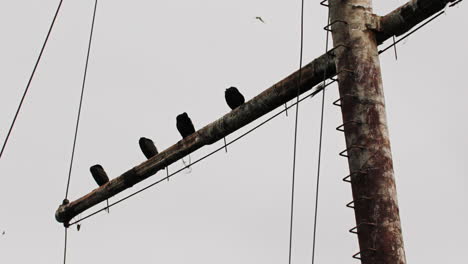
[(353, 27)]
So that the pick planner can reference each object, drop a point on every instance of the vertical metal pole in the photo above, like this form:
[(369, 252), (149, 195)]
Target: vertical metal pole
[(365, 126)]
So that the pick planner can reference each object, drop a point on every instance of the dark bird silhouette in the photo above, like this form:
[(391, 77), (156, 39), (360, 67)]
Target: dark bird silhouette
[(147, 147), (233, 97), (99, 175), (260, 19), (185, 125), (101, 178)]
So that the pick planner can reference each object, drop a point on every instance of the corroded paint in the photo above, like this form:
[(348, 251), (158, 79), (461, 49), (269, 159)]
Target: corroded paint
[(366, 133)]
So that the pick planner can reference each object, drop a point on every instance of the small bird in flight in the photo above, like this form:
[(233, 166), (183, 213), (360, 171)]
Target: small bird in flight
[(184, 125), (260, 19), (147, 147), (233, 97)]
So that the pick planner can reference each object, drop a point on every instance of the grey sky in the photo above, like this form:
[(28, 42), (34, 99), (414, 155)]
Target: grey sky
[(152, 60)]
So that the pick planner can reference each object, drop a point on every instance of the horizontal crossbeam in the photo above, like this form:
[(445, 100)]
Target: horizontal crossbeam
[(395, 23)]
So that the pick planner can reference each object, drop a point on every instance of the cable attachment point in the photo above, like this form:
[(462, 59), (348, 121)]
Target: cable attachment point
[(322, 86), (225, 144), (338, 102), (359, 172), (323, 3), (345, 70), (351, 204), (354, 229), (394, 47), (455, 3), (341, 127), (358, 255), (327, 27), (332, 53), (342, 153)]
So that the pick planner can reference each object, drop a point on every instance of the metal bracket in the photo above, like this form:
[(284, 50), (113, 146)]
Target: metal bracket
[(347, 149), (323, 3), (354, 229), (351, 204), (330, 52), (357, 255), (348, 178), (361, 171), (327, 27), (373, 22), (341, 127), (338, 102)]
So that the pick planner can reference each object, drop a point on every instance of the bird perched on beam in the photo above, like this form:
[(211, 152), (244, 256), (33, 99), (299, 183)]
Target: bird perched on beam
[(185, 125), (101, 178), (99, 175), (233, 97), (147, 147)]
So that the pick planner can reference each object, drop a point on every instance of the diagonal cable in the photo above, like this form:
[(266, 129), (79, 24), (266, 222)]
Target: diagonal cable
[(291, 220), (81, 100), (77, 124), (30, 79), (314, 239)]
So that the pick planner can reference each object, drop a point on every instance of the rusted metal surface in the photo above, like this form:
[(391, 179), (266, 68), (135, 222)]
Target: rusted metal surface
[(367, 139), (268, 100), (285, 90), (405, 17)]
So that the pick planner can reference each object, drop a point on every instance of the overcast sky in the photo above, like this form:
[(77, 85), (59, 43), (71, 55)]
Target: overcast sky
[(152, 60)]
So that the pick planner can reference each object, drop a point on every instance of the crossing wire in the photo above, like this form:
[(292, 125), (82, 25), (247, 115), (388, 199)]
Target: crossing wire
[(81, 100), (30, 79), (314, 236), (291, 220), (312, 94), (78, 121)]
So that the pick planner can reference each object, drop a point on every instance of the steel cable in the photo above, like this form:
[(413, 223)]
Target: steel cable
[(291, 220), (81, 99), (314, 236), (78, 122), (30, 79)]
